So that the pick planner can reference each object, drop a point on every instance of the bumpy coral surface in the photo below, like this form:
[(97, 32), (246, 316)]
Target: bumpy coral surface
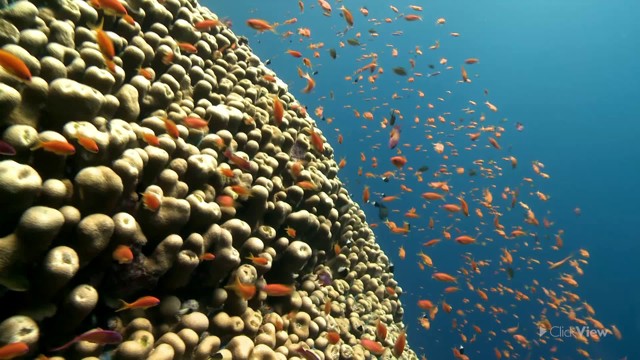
[(141, 160)]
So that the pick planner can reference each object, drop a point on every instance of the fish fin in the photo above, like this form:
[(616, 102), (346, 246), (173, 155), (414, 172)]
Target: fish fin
[(124, 306), (37, 146)]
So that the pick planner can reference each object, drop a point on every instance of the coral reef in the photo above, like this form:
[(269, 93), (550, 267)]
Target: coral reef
[(158, 171)]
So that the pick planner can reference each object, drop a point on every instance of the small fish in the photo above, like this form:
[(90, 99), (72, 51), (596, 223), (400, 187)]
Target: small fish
[(171, 128), (332, 53), (237, 160), (151, 201), (96, 336), (13, 350), (277, 289), (110, 7), (188, 48), (206, 25), (353, 42), (55, 146), (122, 254), (144, 303), (399, 70), (258, 260), (244, 291), (6, 149), (399, 345), (399, 161), (195, 122), (261, 25), (381, 330), (88, 144), (14, 65), (373, 346), (278, 110)]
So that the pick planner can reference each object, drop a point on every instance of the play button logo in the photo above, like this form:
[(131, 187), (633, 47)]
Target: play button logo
[(541, 331)]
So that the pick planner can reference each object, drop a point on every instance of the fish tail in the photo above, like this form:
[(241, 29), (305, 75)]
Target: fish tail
[(124, 306), (37, 146)]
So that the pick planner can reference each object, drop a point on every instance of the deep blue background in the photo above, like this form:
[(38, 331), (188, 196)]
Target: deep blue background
[(568, 70)]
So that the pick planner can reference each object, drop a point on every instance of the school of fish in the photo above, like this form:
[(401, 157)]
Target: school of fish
[(501, 233)]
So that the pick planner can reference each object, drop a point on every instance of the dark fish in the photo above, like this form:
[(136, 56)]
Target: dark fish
[(423, 168), (353, 42), (372, 31), (393, 117), (315, 73), (332, 53), (6, 149), (383, 212), (473, 172), (268, 62), (510, 272), (435, 73), (431, 66), (400, 71)]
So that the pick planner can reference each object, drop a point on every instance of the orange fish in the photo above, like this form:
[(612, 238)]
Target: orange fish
[(402, 253), (122, 254), (444, 277), (432, 196), (381, 330), (425, 304), (399, 161), (333, 337), (13, 350), (310, 84), (237, 160), (316, 141), (401, 342), (373, 346), (55, 146), (348, 17), (261, 25), (195, 122), (144, 303), (171, 128), (258, 260), (465, 240), (242, 290), (278, 110), (206, 25), (151, 201), (14, 65), (294, 53), (88, 143), (431, 242), (277, 289), (110, 7)]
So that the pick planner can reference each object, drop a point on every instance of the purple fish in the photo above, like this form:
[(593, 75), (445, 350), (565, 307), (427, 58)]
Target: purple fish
[(96, 336), (6, 149), (325, 278)]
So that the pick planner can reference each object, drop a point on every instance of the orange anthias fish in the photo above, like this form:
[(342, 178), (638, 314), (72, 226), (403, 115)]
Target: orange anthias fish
[(195, 122), (55, 146), (258, 260), (278, 289), (237, 160), (381, 330), (444, 277), (278, 110), (244, 291), (151, 201), (171, 128), (399, 161), (348, 17), (88, 143), (96, 336), (110, 7), (122, 254), (401, 342), (373, 346), (14, 65), (261, 25), (294, 53), (206, 25), (13, 350), (144, 303), (316, 141)]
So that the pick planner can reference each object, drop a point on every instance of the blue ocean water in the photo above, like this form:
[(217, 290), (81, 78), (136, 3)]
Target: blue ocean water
[(566, 70)]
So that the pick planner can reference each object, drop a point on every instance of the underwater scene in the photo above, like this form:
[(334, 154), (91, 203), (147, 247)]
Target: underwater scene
[(319, 179)]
